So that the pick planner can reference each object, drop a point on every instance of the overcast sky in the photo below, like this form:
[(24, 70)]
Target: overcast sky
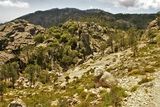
[(10, 9)]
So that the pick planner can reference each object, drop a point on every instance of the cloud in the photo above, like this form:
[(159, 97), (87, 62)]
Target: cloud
[(135, 4), (127, 3), (14, 3), (147, 4)]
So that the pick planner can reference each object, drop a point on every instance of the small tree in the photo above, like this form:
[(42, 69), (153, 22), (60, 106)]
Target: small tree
[(39, 38), (53, 51), (44, 77), (40, 56), (2, 89), (110, 41), (133, 41), (103, 47), (3, 73), (9, 71), (158, 39), (151, 35), (33, 71), (13, 72)]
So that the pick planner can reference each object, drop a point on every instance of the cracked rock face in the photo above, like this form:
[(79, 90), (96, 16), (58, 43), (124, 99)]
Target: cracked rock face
[(16, 35)]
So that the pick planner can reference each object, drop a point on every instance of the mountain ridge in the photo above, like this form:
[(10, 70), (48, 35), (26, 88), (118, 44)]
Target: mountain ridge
[(56, 16)]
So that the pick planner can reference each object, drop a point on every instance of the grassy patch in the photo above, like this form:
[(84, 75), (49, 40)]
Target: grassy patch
[(115, 97), (149, 69), (136, 72), (134, 88), (145, 80)]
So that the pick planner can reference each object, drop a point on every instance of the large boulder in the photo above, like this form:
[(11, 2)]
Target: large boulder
[(104, 78), (155, 24), (4, 57)]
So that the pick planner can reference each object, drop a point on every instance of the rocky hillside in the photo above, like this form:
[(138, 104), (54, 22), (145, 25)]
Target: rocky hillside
[(79, 64), (59, 16), (14, 36)]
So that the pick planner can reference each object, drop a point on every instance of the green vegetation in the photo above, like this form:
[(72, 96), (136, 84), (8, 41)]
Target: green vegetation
[(39, 38), (61, 48), (136, 72), (114, 97), (9, 71), (149, 69), (33, 72), (134, 88), (2, 90), (145, 80)]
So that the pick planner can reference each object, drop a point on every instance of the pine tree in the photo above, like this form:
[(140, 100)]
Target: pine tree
[(2, 88), (9, 71), (33, 71), (12, 69), (132, 40)]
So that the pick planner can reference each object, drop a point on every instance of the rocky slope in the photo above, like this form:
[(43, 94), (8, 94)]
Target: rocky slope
[(14, 36), (145, 87), (75, 64)]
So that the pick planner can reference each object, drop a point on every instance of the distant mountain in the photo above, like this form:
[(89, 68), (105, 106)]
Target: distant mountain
[(139, 20), (57, 16)]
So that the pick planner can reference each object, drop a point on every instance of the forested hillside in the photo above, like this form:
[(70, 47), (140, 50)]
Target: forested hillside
[(59, 16)]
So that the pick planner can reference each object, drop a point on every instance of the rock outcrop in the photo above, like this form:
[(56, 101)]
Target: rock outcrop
[(16, 35), (152, 34), (93, 36), (104, 79), (155, 24)]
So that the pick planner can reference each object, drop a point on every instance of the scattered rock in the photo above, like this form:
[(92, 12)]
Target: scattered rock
[(63, 85), (17, 103), (54, 103)]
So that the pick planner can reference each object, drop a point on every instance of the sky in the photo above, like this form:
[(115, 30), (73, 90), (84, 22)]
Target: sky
[(11, 9)]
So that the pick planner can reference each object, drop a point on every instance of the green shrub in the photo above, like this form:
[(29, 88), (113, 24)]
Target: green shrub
[(2, 90), (133, 89), (64, 38), (55, 32), (67, 60), (136, 72), (44, 77), (72, 26), (149, 69), (114, 97), (10, 71), (32, 71), (145, 80), (39, 38)]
